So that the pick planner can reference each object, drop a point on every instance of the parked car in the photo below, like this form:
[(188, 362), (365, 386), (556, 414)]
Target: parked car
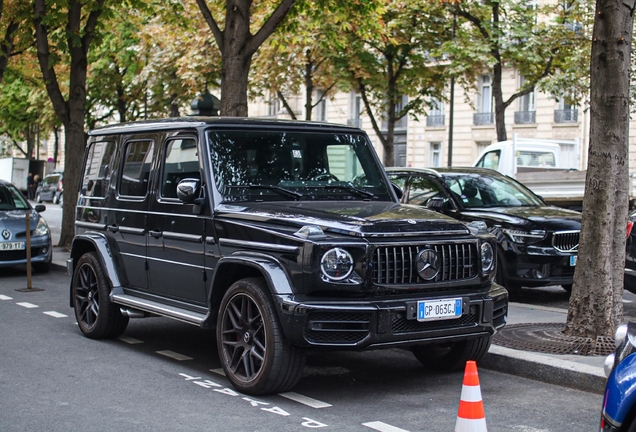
[(619, 403), (13, 210), (255, 228), (537, 243), (51, 188)]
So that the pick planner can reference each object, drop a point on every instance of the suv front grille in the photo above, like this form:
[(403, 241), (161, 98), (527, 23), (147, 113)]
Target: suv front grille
[(566, 241), (395, 265)]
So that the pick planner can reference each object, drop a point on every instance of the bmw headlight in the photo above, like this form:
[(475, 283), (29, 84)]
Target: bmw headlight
[(525, 237), (336, 264), (487, 257), (41, 229)]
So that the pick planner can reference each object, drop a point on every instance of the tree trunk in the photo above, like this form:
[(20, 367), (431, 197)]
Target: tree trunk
[(596, 307), (500, 109), (237, 47)]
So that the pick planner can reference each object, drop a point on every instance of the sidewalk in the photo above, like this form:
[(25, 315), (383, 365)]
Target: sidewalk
[(575, 371)]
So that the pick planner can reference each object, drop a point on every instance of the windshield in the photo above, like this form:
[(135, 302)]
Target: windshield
[(479, 190), (278, 165), (11, 199)]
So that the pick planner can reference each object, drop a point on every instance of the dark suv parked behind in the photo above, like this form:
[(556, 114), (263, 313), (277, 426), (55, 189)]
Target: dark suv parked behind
[(255, 228)]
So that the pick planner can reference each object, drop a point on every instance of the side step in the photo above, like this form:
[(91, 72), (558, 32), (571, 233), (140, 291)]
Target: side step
[(158, 308)]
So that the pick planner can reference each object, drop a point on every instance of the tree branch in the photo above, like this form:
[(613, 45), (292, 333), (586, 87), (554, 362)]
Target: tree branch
[(281, 96), (363, 93), (214, 28), (48, 72), (270, 25)]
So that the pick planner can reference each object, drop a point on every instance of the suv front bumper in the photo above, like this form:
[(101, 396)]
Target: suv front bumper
[(356, 324)]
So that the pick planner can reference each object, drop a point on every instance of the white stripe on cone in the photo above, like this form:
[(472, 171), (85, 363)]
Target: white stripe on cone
[(471, 394)]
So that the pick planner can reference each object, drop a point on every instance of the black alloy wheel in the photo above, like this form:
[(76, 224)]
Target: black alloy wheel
[(255, 355), (96, 316)]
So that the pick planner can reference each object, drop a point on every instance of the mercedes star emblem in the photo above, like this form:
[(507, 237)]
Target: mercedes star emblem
[(427, 264)]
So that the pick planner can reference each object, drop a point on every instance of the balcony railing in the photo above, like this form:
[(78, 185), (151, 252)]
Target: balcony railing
[(566, 116), (435, 120), (355, 122), (522, 117), (483, 118)]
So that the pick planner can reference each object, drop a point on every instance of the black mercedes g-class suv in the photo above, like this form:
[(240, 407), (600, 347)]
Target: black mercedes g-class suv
[(283, 236)]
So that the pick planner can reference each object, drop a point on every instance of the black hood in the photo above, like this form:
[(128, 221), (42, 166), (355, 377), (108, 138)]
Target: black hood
[(364, 219), (536, 217)]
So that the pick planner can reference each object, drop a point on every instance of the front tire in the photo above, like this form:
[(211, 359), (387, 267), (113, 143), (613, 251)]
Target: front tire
[(451, 356), (97, 317), (256, 357)]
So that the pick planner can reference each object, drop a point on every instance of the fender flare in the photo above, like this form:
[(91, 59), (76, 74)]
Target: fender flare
[(91, 241), (273, 271)]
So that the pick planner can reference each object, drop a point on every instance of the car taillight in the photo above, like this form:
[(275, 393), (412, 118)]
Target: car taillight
[(630, 225)]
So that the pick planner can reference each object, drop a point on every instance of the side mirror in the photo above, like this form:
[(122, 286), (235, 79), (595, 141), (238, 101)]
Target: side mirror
[(435, 203), (398, 191), (40, 208), (188, 190)]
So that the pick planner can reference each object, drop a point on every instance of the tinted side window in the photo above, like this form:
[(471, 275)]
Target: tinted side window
[(97, 171), (180, 162), (136, 170), (423, 189)]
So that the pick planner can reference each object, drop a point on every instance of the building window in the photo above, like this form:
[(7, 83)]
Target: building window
[(320, 110), (484, 114), (356, 106), (435, 154), (435, 116), (274, 106), (566, 112), (401, 123), (526, 112)]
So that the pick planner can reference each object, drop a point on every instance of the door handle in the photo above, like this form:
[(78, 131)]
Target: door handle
[(155, 234)]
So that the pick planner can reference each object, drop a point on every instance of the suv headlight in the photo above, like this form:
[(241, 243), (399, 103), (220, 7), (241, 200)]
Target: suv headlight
[(336, 264), (524, 237), (41, 229), (487, 257)]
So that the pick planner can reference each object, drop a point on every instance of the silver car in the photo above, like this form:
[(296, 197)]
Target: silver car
[(13, 242)]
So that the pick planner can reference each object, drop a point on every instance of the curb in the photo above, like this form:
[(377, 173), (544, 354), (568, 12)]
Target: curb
[(545, 368)]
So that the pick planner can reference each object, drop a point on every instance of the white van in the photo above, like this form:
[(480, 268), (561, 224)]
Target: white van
[(530, 154)]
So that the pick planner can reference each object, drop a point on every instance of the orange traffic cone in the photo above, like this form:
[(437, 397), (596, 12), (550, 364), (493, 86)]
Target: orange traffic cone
[(471, 416)]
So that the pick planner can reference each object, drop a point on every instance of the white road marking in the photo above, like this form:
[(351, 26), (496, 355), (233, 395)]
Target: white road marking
[(383, 427), (627, 301), (218, 371), (174, 355), (27, 305), (305, 400), (4, 297), (129, 340), (55, 314)]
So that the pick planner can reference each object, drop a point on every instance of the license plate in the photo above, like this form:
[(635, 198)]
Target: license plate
[(439, 309), (12, 246), (573, 260)]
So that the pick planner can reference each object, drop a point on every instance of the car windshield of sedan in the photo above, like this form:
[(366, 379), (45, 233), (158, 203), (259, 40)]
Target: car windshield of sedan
[(11, 199), (280, 165), (478, 190)]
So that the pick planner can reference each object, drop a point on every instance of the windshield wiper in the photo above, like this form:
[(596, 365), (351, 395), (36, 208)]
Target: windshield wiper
[(279, 189), (350, 187)]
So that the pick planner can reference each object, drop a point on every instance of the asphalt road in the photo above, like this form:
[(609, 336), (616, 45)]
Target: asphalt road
[(162, 375)]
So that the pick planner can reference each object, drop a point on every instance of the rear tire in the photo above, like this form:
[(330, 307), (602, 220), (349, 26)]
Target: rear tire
[(451, 356), (97, 317), (38, 199), (256, 357)]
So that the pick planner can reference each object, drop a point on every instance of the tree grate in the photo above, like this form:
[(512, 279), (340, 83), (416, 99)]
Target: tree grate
[(549, 338)]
